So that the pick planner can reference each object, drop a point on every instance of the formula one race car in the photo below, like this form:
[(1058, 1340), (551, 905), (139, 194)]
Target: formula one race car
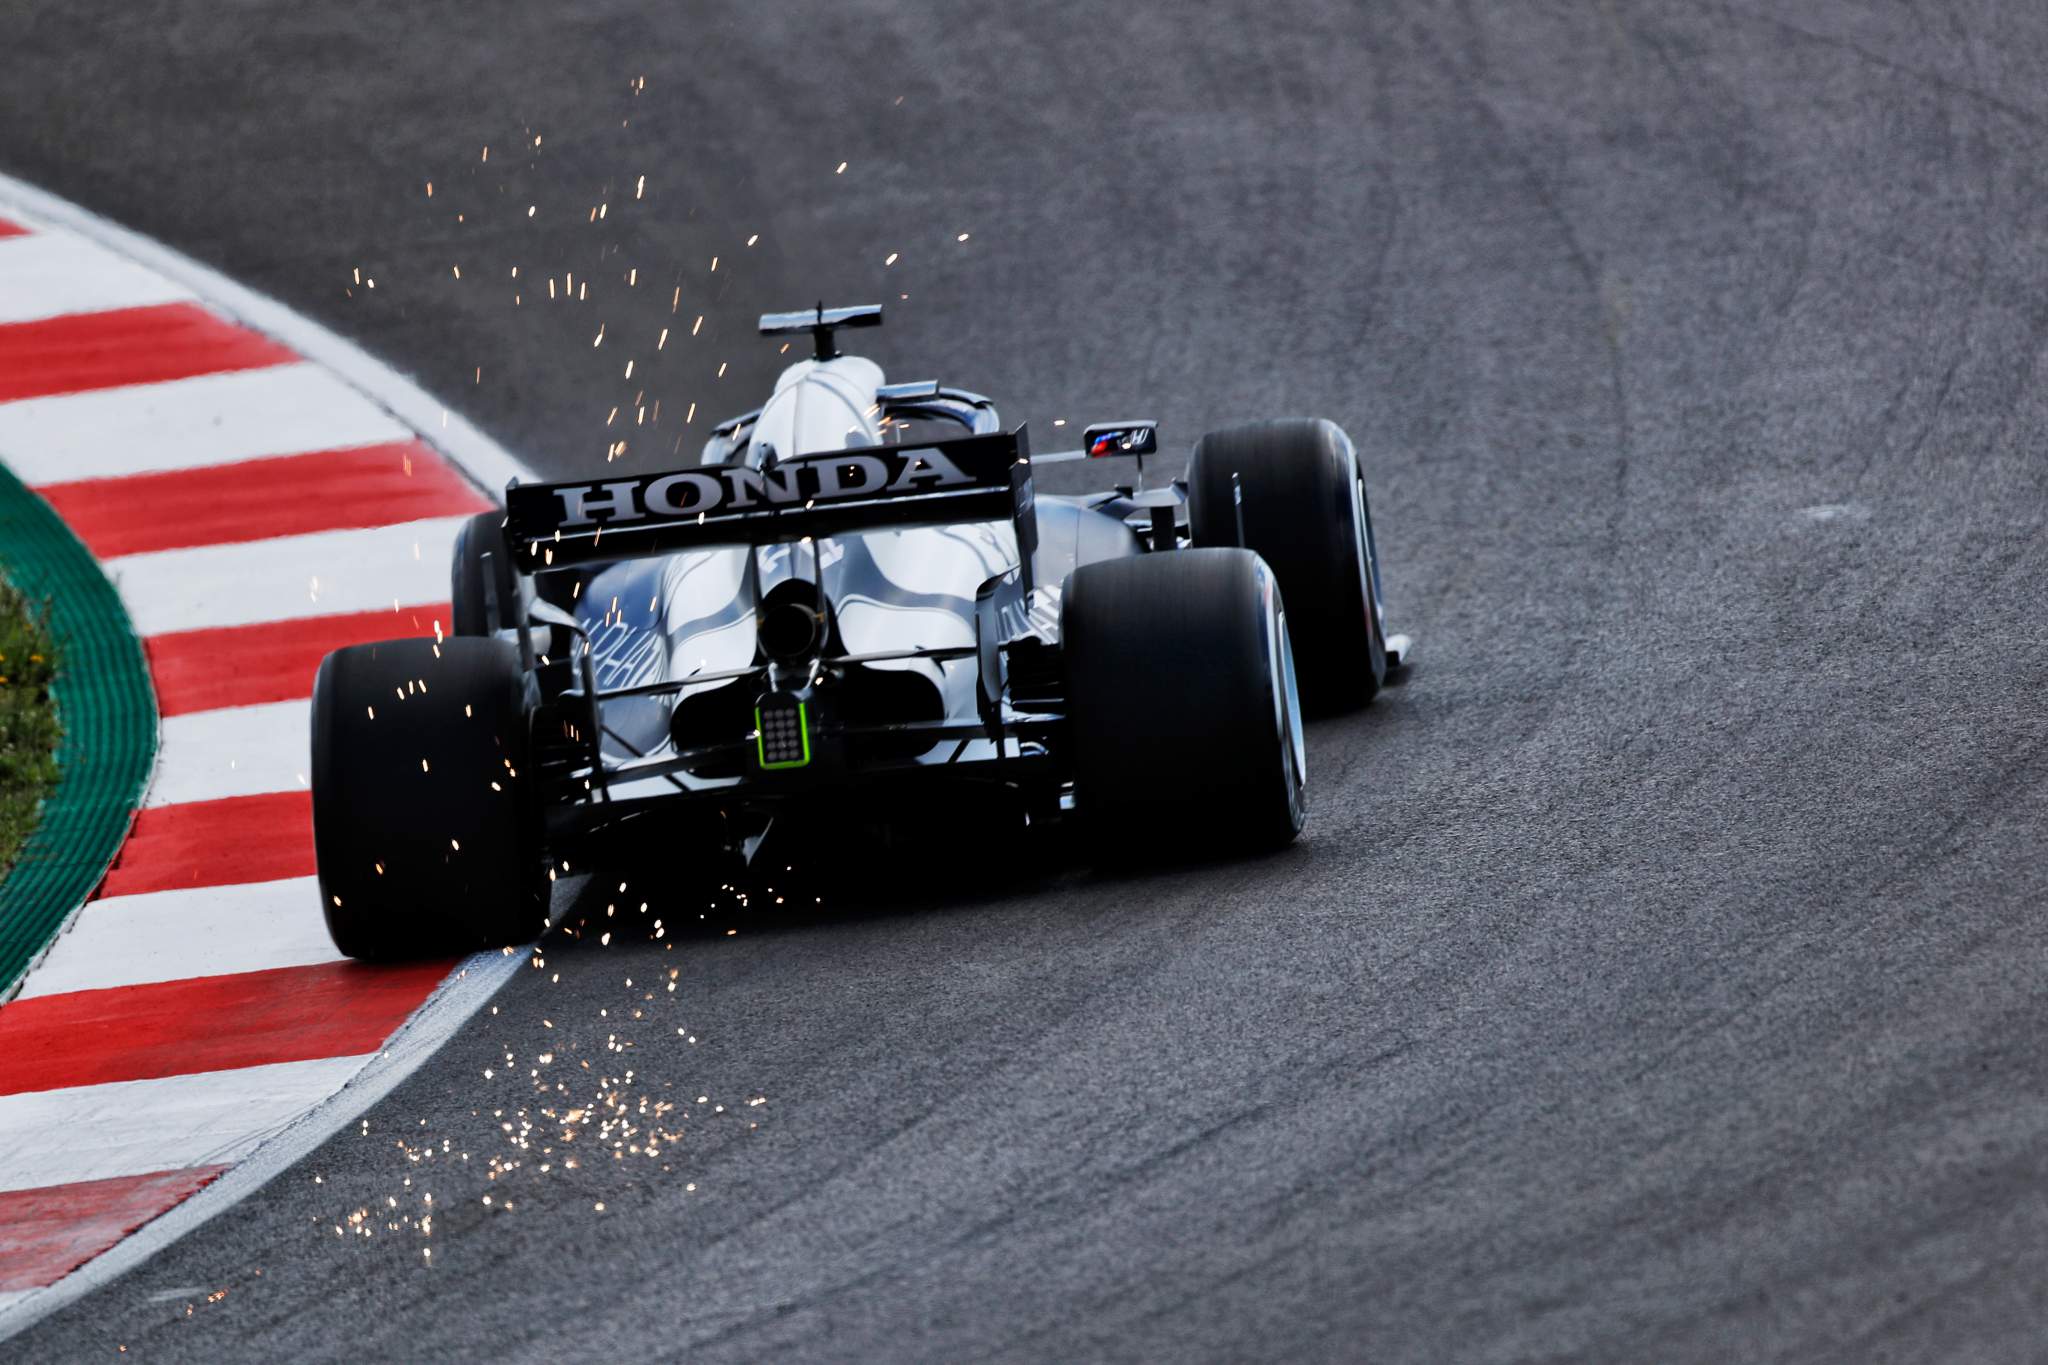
[(838, 618)]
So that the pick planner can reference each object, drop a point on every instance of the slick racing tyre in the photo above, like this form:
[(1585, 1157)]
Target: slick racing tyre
[(425, 827), (1181, 701), (483, 570), (1305, 513)]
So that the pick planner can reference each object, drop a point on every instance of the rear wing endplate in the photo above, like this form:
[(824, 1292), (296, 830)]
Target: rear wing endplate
[(973, 478)]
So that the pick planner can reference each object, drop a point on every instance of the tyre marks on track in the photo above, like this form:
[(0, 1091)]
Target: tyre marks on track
[(255, 511)]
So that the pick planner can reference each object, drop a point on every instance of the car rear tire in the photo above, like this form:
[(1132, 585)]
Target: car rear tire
[(483, 569), (1306, 514), (1181, 701), (425, 829)]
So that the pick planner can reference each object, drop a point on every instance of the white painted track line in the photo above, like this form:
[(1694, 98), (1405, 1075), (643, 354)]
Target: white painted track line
[(45, 277), (237, 751), (323, 574), (208, 1118), (173, 935), (212, 419)]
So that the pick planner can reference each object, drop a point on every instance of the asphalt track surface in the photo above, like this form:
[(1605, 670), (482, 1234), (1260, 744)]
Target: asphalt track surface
[(1660, 977)]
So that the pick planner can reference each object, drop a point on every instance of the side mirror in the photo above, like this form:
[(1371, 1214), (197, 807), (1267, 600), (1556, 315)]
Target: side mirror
[(1140, 438)]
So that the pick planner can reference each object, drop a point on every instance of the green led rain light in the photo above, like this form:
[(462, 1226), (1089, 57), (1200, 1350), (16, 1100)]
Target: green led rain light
[(802, 737)]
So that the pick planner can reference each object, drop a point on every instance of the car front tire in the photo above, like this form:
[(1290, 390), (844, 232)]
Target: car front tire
[(1306, 513)]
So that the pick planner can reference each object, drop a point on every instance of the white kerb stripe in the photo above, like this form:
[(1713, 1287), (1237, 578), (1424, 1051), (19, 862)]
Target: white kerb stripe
[(208, 1118), (49, 276), (186, 423), (174, 935), (291, 577), (83, 436), (236, 751)]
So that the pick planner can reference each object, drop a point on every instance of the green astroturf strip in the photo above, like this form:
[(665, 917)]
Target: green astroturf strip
[(28, 719), (108, 712)]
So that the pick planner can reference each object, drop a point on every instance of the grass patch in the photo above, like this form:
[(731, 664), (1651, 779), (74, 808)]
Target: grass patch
[(28, 719)]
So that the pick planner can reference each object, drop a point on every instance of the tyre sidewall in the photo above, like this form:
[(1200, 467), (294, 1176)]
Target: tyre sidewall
[(406, 784), (1305, 513), (1179, 722)]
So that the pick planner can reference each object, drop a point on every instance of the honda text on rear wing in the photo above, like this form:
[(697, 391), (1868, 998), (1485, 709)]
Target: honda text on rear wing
[(971, 478)]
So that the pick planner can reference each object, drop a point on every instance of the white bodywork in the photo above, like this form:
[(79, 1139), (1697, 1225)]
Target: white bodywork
[(820, 406), (890, 589)]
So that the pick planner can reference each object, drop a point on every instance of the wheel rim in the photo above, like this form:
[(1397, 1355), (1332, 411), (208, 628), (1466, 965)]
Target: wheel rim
[(1287, 720), (1369, 576), (1368, 571)]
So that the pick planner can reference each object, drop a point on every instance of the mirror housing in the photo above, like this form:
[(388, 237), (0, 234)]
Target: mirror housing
[(1136, 437)]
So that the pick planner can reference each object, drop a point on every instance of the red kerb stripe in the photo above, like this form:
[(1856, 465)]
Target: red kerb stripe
[(125, 346), (207, 1023), (204, 670), (215, 843), (258, 499), (45, 1234)]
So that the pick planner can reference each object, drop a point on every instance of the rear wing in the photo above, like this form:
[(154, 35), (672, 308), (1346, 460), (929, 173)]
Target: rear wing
[(972, 478)]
